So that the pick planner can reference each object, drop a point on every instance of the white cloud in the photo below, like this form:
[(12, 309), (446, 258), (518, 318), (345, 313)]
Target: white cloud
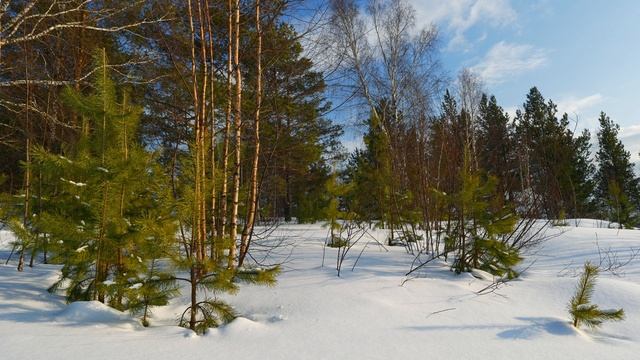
[(629, 131), (458, 16), (630, 137), (576, 106), (505, 60), (583, 111)]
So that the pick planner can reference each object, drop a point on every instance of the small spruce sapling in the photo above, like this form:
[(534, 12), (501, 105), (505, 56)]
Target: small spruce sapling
[(580, 308)]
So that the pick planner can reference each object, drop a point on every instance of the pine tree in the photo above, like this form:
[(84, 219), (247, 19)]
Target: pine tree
[(496, 147), (547, 145), (333, 212), (479, 238), (374, 197), (580, 308), (617, 188), (581, 177), (25, 237), (109, 211)]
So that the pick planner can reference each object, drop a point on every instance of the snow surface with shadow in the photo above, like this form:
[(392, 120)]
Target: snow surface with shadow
[(534, 327), (368, 313)]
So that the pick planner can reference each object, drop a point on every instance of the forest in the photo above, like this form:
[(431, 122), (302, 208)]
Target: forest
[(150, 150)]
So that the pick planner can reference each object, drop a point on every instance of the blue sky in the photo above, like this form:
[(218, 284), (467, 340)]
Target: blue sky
[(584, 55)]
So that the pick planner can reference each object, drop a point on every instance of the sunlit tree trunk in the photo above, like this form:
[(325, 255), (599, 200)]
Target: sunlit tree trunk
[(238, 138), (224, 196), (253, 195), (197, 235), (212, 132)]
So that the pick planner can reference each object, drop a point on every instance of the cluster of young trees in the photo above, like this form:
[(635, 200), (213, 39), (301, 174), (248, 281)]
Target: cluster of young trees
[(134, 199), (463, 179)]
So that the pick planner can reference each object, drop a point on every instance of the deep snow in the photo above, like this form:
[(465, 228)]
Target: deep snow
[(368, 313)]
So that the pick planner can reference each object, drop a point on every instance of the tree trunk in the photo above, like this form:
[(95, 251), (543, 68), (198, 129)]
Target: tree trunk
[(202, 145), (212, 134), (194, 302), (27, 176), (238, 138), (227, 131), (253, 196)]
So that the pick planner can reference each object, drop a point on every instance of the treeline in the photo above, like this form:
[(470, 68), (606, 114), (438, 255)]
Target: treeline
[(540, 167)]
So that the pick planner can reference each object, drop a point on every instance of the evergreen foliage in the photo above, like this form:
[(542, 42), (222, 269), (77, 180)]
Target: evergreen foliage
[(582, 174), (617, 187), (108, 213), (99, 203), (547, 144), (25, 237), (496, 146), (479, 236), (334, 212), (209, 275), (580, 307), (370, 171), (299, 144)]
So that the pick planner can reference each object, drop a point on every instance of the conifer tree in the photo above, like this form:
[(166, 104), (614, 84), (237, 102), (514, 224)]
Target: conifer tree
[(333, 211), (109, 210), (373, 180), (210, 274), (541, 138), (581, 177), (617, 188), (496, 146), (580, 308), (25, 237), (479, 236)]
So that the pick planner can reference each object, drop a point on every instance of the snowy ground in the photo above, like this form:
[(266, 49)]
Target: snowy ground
[(366, 314)]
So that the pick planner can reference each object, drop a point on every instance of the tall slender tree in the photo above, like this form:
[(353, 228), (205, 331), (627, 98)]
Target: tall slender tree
[(235, 193), (617, 187), (253, 192)]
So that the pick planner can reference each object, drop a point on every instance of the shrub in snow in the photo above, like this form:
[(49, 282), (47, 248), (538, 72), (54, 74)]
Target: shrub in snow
[(580, 308)]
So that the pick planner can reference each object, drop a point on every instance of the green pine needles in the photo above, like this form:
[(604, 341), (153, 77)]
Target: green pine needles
[(108, 213), (479, 238), (580, 308), (112, 218), (209, 274), (333, 213)]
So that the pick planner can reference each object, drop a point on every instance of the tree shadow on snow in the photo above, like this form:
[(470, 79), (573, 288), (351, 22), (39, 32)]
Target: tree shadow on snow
[(533, 327), (537, 326), (24, 298)]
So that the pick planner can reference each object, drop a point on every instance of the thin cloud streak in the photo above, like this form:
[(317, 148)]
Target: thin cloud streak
[(506, 60)]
